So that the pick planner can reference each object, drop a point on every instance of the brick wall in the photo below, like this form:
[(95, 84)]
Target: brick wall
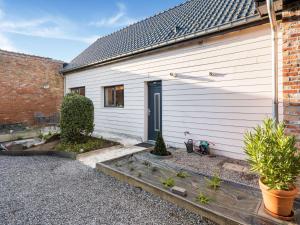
[(291, 67), (28, 84)]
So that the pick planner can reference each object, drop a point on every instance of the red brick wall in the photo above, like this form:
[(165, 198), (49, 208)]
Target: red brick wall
[(28, 84), (291, 68)]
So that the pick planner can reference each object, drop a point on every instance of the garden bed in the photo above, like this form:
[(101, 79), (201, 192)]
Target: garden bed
[(230, 204), (90, 144), (209, 165), (53, 143)]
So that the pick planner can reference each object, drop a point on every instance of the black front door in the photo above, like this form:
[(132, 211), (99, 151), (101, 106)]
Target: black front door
[(154, 109)]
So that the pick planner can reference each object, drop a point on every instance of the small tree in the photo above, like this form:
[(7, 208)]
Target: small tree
[(77, 118), (160, 146)]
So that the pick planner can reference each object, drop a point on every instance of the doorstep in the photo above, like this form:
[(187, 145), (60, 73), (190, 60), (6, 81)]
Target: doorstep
[(105, 154)]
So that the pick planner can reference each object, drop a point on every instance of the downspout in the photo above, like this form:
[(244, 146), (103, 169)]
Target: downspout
[(274, 32), (65, 81)]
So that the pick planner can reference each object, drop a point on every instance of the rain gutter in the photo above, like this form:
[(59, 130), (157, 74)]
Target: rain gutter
[(274, 33)]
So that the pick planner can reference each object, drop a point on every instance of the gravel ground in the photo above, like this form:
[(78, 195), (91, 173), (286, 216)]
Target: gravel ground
[(211, 165), (49, 190)]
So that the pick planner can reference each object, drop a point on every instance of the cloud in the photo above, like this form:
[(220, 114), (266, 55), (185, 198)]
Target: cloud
[(56, 27), (46, 27), (117, 20), (6, 44)]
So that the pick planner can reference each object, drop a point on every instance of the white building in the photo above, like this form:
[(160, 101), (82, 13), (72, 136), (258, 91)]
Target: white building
[(202, 67)]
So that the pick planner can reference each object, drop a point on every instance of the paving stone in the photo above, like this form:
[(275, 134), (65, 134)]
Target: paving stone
[(235, 167), (179, 191)]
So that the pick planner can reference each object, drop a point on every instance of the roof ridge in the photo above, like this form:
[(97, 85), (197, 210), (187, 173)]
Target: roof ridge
[(30, 55)]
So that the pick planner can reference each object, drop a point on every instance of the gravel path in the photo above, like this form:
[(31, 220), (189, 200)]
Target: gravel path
[(49, 190)]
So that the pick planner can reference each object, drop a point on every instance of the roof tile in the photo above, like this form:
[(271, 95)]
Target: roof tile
[(188, 18)]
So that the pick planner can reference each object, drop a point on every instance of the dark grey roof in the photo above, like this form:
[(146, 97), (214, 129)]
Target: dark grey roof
[(189, 18)]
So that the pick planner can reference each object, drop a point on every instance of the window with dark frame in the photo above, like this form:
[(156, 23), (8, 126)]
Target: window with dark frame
[(78, 90), (114, 96)]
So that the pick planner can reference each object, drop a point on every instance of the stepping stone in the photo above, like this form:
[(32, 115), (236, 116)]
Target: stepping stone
[(235, 167), (179, 191)]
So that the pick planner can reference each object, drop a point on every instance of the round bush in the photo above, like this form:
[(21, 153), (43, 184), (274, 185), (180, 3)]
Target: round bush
[(77, 118)]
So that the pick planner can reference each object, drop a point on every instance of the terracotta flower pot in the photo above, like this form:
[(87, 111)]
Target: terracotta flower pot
[(278, 202)]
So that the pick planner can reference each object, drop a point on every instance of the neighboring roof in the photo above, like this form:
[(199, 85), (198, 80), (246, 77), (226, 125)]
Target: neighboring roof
[(18, 54), (261, 6), (190, 18)]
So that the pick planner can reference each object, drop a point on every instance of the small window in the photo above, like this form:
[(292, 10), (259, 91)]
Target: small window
[(157, 111), (114, 96), (78, 90)]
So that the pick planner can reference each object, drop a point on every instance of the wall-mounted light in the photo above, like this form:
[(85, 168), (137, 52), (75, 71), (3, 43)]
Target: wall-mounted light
[(46, 85), (211, 74), (173, 74)]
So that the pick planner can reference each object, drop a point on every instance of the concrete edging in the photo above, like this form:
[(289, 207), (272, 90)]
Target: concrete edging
[(70, 155), (166, 195)]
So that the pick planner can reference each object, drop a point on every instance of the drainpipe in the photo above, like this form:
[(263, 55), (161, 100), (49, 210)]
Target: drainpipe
[(274, 28)]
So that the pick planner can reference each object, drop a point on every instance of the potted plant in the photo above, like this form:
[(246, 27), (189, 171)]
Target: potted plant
[(160, 149), (273, 155)]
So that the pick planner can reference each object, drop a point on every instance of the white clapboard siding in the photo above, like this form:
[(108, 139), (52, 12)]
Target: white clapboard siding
[(218, 108)]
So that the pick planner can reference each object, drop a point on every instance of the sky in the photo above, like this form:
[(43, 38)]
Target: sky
[(62, 29)]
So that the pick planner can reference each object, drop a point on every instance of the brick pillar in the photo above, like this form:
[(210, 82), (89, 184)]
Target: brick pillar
[(291, 68)]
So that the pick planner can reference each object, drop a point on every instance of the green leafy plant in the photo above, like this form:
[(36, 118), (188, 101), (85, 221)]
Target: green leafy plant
[(154, 169), (48, 135), (168, 183), (77, 118), (117, 164), (146, 163), (273, 155), (214, 182), (40, 136), (203, 199), (182, 174), (160, 146)]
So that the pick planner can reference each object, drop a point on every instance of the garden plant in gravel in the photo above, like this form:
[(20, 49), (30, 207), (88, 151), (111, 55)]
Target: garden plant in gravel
[(160, 146), (77, 124)]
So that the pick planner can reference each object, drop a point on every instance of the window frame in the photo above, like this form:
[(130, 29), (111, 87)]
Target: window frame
[(74, 88), (115, 96)]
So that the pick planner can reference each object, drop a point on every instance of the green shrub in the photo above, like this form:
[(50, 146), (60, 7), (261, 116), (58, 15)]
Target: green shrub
[(154, 169), (77, 118), (168, 183), (160, 146), (203, 199), (182, 174), (273, 155), (214, 182), (146, 163)]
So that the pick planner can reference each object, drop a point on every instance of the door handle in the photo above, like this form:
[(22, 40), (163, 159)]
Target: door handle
[(149, 112)]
